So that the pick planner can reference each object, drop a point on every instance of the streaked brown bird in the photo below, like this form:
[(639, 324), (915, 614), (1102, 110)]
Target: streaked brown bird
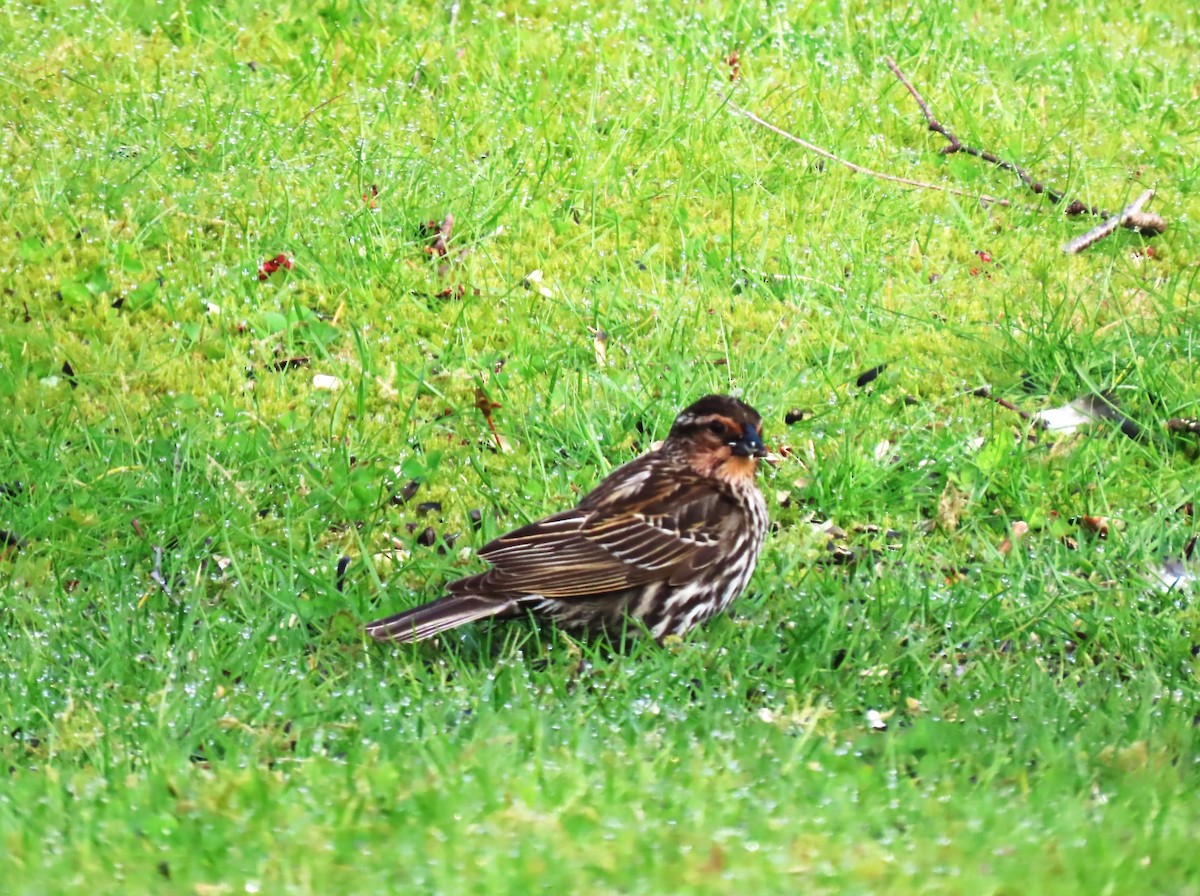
[(665, 542)]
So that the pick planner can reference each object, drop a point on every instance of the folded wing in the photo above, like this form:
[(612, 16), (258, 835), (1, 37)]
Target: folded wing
[(613, 541)]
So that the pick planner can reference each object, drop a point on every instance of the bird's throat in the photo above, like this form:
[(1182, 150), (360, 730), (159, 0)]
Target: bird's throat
[(733, 469)]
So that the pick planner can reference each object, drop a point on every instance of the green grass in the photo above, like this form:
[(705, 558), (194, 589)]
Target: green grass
[(232, 732)]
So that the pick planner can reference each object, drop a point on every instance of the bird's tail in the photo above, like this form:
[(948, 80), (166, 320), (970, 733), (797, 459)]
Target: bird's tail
[(437, 616)]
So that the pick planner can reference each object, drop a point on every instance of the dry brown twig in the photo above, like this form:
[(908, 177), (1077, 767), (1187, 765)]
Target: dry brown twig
[(986, 392), (1132, 217), (955, 145), (824, 153)]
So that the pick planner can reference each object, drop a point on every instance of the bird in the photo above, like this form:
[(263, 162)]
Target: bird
[(665, 542)]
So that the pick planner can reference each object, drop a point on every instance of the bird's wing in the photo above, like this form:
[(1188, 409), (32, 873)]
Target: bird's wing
[(615, 539)]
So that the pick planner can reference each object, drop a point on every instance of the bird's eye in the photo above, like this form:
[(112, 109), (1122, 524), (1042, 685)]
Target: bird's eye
[(717, 427)]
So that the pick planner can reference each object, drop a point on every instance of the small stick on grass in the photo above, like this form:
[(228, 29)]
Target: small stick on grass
[(1132, 217), (956, 145), (824, 153), (986, 392)]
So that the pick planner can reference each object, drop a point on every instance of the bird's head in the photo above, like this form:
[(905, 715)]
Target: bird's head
[(720, 437)]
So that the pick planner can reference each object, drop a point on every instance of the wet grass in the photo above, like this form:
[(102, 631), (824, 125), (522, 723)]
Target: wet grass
[(902, 703)]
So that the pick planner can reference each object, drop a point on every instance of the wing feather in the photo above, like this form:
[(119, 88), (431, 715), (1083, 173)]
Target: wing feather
[(615, 539)]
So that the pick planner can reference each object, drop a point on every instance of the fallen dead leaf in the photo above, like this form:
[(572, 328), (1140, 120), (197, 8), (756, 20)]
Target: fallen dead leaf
[(951, 503)]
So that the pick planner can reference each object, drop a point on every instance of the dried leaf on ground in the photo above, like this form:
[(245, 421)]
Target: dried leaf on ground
[(951, 504)]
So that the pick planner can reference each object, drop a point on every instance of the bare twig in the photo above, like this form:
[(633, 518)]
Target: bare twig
[(824, 153), (1132, 217), (956, 145), (986, 392)]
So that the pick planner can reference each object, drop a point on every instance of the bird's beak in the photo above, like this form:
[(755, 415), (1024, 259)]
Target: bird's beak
[(749, 445)]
